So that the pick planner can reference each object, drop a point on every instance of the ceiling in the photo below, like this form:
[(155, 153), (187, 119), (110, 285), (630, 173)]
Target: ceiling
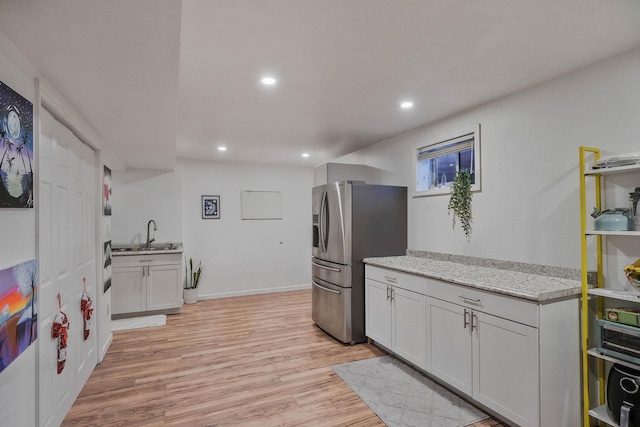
[(160, 79)]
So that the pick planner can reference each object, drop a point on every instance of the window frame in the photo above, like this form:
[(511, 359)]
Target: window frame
[(473, 132)]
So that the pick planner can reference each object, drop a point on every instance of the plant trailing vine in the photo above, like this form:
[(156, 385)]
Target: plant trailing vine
[(460, 201)]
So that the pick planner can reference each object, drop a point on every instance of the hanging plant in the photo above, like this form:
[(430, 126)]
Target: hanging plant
[(460, 201)]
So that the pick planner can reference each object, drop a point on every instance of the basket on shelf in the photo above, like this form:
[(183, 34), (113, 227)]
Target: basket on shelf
[(633, 274)]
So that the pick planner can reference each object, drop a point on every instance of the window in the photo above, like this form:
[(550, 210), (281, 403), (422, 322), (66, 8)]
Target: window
[(437, 164)]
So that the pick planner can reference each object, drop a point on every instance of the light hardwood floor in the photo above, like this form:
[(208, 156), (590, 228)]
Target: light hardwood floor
[(249, 361)]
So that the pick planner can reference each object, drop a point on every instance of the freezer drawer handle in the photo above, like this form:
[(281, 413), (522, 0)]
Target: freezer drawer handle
[(325, 267), (326, 289)]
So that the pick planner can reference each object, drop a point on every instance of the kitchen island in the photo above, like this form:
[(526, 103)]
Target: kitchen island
[(503, 334)]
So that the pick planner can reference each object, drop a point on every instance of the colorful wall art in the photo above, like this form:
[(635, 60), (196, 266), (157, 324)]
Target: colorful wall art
[(106, 265), (106, 191), (18, 310), (16, 148)]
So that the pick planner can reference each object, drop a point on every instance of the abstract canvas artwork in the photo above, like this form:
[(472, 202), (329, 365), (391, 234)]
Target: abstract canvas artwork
[(16, 148), (18, 310), (106, 191), (106, 265)]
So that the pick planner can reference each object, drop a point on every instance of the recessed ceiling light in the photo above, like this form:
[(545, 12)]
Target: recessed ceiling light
[(222, 148), (305, 154), (406, 104), (268, 81)]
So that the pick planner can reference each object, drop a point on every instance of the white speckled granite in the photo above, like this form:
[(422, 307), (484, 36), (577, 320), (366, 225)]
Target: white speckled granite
[(133, 249), (520, 280)]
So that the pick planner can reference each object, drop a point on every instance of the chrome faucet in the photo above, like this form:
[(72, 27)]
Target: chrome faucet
[(155, 228)]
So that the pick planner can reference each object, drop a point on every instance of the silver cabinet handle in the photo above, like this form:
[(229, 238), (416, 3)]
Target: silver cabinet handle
[(473, 300), (466, 318), (325, 289), (388, 293), (474, 322), (337, 270), (393, 294), (391, 279), (146, 260)]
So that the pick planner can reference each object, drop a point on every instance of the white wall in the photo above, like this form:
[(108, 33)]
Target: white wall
[(239, 256), (141, 195), (17, 228), (247, 256), (528, 209)]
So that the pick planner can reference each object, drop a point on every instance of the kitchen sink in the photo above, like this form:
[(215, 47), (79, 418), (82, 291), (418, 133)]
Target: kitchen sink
[(142, 247)]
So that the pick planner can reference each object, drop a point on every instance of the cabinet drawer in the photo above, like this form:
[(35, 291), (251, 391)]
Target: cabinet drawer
[(406, 281), (146, 260), (518, 310)]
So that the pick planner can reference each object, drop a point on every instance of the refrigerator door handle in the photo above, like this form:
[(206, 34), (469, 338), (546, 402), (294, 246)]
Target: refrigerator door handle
[(324, 289), (337, 270), (323, 243)]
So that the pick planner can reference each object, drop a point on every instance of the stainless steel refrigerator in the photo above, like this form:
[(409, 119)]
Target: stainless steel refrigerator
[(351, 221)]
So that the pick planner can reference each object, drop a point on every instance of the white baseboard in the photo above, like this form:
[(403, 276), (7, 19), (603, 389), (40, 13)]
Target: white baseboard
[(105, 348), (254, 292)]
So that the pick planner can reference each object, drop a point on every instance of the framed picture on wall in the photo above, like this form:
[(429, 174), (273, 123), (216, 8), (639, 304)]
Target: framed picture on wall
[(107, 266), (106, 191), (210, 207), (16, 139)]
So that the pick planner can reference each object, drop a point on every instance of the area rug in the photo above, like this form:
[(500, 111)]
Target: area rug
[(402, 396), (138, 322)]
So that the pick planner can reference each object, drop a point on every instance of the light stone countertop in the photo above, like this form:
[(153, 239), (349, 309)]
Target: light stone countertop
[(125, 249), (528, 281)]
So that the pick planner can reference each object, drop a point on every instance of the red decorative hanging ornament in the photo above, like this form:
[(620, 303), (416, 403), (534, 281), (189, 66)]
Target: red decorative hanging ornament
[(86, 306), (60, 330)]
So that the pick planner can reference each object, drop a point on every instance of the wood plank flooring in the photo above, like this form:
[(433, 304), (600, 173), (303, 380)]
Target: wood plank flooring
[(249, 361)]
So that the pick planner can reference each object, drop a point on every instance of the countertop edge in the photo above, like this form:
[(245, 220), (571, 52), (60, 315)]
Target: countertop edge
[(151, 252), (567, 287)]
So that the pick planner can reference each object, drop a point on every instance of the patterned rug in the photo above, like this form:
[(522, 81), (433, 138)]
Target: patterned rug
[(402, 396), (138, 322)]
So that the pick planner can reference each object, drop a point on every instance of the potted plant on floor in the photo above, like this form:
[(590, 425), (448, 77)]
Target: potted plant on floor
[(191, 280)]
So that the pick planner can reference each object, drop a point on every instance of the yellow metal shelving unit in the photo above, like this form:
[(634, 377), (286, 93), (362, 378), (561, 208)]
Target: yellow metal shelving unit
[(586, 397), (599, 291)]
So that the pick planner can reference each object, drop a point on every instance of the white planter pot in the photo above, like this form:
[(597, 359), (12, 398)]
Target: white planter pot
[(190, 296)]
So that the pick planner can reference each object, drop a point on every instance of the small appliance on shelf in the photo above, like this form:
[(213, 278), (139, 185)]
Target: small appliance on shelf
[(616, 219), (618, 160), (623, 395), (625, 315)]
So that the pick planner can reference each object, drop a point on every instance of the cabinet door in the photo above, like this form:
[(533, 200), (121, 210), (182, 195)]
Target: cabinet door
[(408, 325), (128, 293), (164, 289), (505, 368), (449, 343), (378, 312)]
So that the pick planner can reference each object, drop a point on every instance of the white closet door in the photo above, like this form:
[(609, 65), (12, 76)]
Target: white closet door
[(66, 254)]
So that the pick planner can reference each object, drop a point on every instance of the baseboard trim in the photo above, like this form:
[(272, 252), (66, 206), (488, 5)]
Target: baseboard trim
[(254, 292)]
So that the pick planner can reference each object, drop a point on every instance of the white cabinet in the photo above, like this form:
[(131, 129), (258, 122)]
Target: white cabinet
[(492, 359), (449, 336), (395, 313), (147, 283), (129, 293), (514, 356), (378, 312), (332, 172)]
